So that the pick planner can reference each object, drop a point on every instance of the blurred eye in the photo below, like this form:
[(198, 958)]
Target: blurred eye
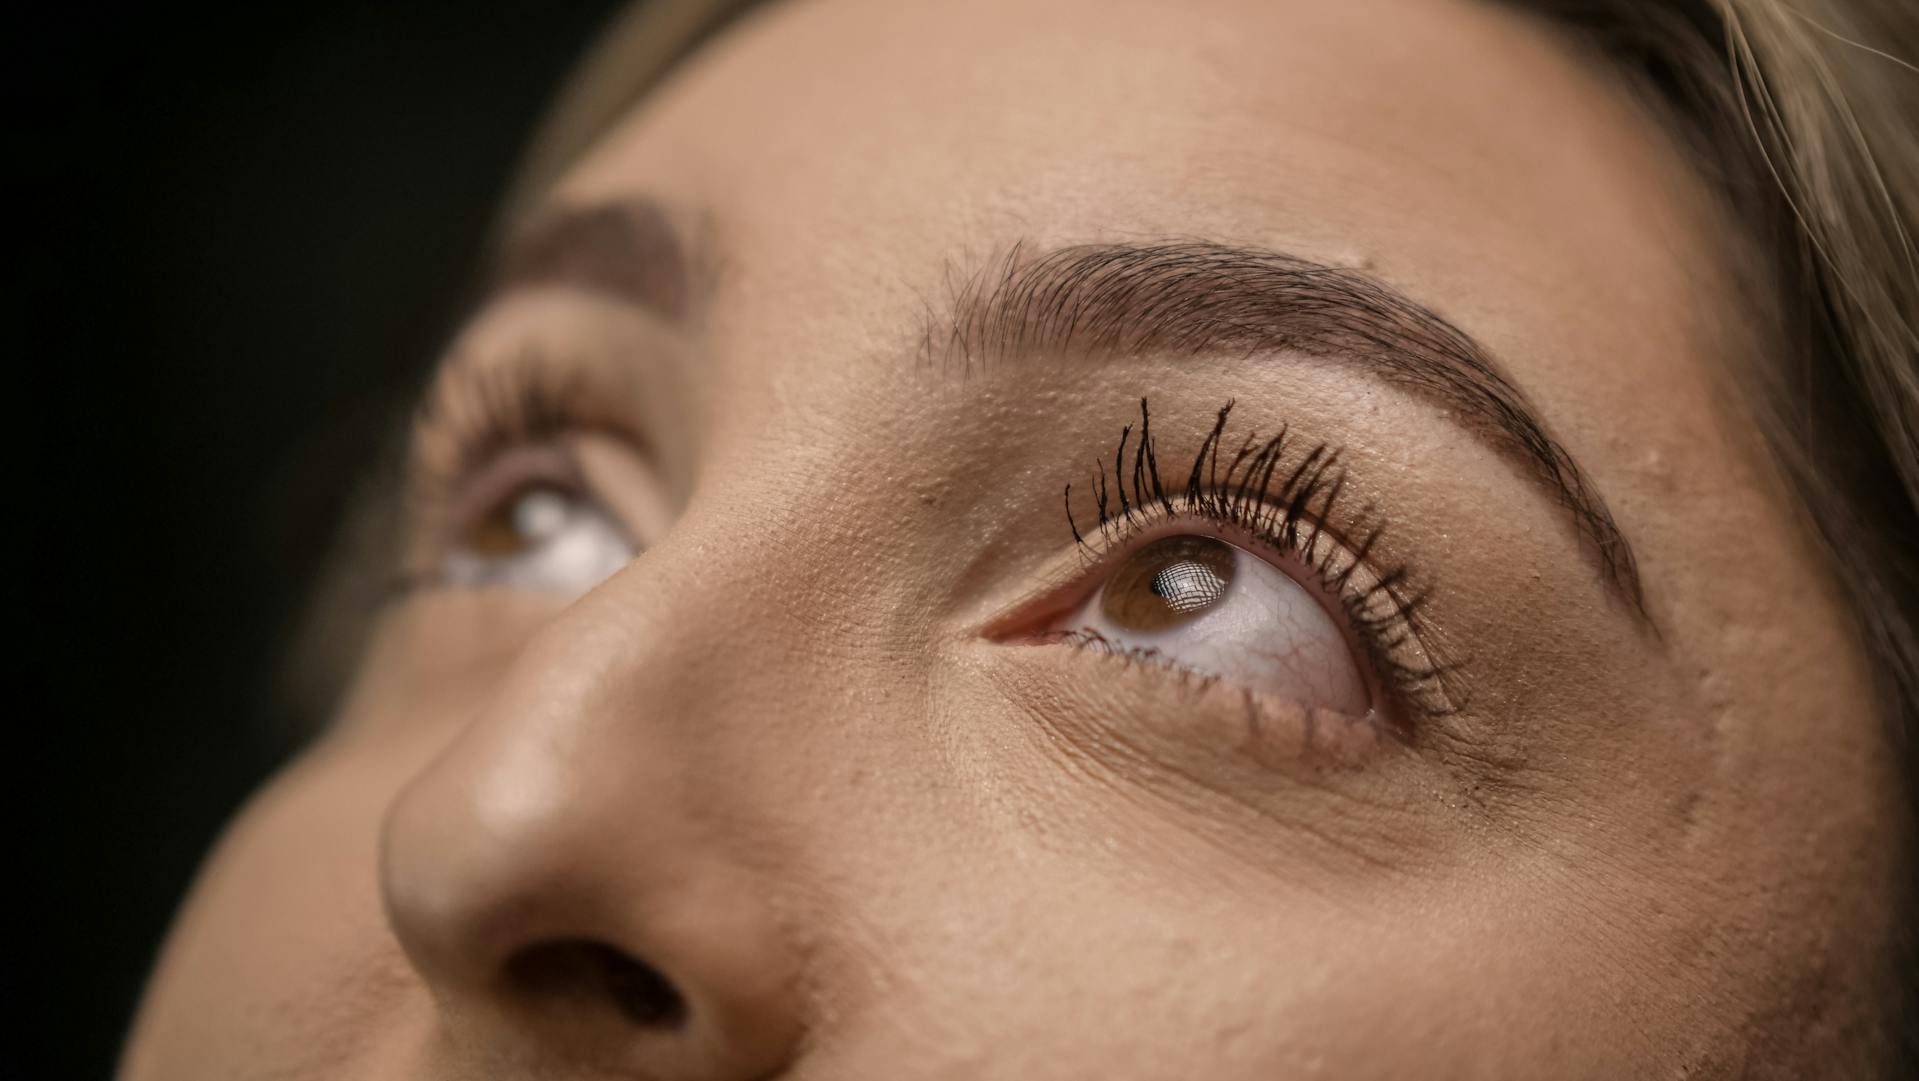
[(543, 534), (1200, 604)]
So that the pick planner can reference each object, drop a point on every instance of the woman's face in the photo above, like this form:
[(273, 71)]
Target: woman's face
[(1461, 702)]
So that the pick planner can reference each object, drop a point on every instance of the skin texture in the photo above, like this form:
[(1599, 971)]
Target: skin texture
[(807, 758)]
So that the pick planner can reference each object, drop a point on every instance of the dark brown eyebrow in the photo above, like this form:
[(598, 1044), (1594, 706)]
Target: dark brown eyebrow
[(628, 250), (1194, 297)]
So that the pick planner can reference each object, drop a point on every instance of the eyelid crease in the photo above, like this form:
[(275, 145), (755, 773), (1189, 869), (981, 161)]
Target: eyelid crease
[(1189, 297)]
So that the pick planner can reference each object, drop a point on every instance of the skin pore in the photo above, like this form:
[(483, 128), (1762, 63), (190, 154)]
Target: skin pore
[(830, 780)]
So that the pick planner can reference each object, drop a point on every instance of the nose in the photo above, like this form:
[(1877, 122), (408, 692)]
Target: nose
[(568, 879)]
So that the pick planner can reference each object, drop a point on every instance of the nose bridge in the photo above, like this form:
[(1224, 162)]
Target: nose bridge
[(585, 847)]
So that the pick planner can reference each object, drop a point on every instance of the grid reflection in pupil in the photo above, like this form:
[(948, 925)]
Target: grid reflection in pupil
[(1187, 586), (1168, 582)]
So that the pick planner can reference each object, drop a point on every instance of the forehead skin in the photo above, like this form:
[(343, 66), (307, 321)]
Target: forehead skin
[(1669, 871)]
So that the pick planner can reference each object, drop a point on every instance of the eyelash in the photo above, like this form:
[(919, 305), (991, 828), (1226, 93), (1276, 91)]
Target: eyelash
[(482, 414), (489, 412), (486, 412), (1290, 508)]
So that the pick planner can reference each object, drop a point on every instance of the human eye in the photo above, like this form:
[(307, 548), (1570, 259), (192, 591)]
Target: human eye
[(1199, 603), (513, 489), (533, 523), (1249, 575)]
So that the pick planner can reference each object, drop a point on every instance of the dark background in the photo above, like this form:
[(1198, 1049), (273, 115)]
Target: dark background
[(246, 228)]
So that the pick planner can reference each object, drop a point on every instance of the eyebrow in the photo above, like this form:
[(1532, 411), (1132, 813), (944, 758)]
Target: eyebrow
[(1184, 298), (1195, 297), (626, 250)]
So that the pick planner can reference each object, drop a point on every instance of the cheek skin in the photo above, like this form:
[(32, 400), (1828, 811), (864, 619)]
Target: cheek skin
[(1168, 909), (282, 948)]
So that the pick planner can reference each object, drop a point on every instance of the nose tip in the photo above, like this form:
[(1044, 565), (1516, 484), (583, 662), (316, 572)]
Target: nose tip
[(592, 926)]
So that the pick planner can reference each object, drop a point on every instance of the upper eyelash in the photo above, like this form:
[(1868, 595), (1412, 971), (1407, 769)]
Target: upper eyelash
[(1290, 510), (487, 411), (475, 414), (529, 401)]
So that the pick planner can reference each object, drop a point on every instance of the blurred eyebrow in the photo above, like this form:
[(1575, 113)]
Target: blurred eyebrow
[(1195, 297), (627, 250)]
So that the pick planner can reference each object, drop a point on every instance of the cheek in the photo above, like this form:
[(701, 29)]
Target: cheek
[(281, 960), (1168, 960), (1287, 924)]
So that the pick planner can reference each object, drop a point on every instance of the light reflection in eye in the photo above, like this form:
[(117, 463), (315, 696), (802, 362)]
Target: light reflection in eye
[(1172, 581), (543, 537), (1198, 603)]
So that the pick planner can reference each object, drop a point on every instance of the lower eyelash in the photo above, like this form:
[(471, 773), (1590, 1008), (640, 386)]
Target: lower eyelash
[(1326, 738), (1290, 508)]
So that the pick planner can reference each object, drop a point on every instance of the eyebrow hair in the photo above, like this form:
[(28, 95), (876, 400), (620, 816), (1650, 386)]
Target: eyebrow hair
[(1194, 297), (628, 250)]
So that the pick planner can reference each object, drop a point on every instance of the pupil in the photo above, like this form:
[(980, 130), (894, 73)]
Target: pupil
[(1169, 582), (1187, 586)]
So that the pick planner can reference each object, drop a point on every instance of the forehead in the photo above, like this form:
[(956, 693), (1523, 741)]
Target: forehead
[(850, 152)]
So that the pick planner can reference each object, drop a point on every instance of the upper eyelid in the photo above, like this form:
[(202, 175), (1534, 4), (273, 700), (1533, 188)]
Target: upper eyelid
[(509, 472), (480, 404), (1190, 297), (1310, 484)]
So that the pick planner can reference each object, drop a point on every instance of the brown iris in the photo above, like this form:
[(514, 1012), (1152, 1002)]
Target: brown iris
[(1168, 582), (533, 514)]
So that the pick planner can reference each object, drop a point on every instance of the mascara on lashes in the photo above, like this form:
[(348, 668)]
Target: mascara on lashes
[(1291, 502)]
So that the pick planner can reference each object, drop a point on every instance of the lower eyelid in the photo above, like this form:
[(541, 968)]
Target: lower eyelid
[(1173, 714)]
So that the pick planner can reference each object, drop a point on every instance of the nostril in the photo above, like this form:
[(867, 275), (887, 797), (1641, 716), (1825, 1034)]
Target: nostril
[(641, 991), (582, 970)]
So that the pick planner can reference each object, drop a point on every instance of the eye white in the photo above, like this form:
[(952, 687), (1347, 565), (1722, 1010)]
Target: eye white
[(1258, 629), (565, 543)]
